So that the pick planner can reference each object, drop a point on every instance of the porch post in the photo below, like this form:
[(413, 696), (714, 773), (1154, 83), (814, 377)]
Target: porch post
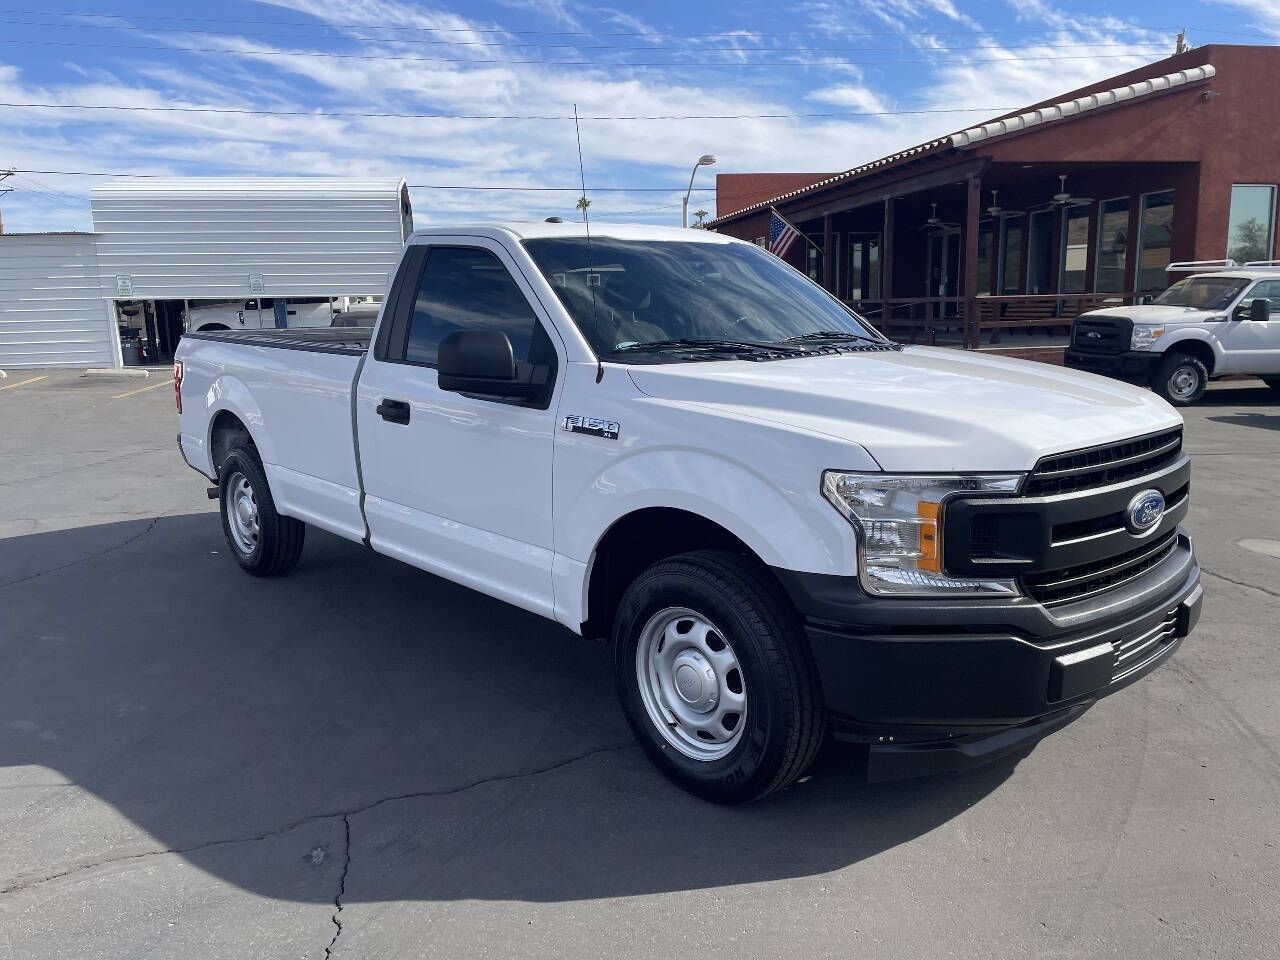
[(972, 212), (886, 265), (827, 253)]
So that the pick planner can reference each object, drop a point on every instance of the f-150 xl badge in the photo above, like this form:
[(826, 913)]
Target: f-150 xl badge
[(592, 426)]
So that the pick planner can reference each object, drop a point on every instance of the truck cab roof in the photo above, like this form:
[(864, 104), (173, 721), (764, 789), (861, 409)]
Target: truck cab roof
[(539, 229)]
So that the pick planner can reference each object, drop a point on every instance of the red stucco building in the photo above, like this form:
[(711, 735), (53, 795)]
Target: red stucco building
[(977, 232)]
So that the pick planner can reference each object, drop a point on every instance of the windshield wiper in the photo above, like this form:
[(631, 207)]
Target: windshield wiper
[(709, 343), (831, 335)]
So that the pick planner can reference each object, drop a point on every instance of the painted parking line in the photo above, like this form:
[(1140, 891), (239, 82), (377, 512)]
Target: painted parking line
[(23, 383), (130, 393)]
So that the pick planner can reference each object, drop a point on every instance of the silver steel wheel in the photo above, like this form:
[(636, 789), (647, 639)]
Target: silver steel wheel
[(242, 513), (1184, 381), (691, 683)]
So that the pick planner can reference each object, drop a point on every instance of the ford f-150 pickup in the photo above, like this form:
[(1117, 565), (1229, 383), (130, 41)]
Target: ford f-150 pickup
[(785, 525)]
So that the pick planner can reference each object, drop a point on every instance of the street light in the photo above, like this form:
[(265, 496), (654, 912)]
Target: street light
[(706, 160)]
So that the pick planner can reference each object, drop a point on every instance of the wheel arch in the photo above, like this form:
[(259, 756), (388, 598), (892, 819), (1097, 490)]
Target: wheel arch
[(1197, 347), (636, 541)]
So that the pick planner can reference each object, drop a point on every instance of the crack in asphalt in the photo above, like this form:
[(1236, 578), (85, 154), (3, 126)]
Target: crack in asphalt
[(1243, 583), (93, 556), (316, 817), (342, 884)]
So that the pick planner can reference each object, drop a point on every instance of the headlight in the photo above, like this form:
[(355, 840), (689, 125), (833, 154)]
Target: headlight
[(1143, 337), (898, 520)]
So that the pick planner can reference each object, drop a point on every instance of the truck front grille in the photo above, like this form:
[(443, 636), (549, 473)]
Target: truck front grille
[(1069, 584), (1104, 465), (1103, 335)]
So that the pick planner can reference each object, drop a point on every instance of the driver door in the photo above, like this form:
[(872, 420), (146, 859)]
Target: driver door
[(460, 484), (1252, 346)]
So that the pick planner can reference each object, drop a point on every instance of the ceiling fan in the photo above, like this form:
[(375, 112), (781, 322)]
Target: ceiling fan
[(996, 211), (1064, 199), (935, 222)]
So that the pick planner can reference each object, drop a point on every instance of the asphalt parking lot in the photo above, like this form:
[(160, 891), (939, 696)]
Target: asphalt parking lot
[(365, 760)]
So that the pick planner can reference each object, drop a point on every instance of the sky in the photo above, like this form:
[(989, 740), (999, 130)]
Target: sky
[(482, 94)]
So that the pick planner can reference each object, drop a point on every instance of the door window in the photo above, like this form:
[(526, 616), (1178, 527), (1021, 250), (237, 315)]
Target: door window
[(1010, 255), (466, 288), (1265, 289)]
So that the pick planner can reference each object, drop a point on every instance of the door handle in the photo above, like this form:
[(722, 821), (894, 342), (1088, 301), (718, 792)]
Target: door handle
[(394, 411)]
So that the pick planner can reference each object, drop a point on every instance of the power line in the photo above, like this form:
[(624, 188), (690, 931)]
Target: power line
[(1121, 28), (824, 62), (498, 116), (415, 186)]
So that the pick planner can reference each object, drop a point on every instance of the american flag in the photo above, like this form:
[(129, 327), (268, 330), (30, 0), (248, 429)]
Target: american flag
[(781, 234)]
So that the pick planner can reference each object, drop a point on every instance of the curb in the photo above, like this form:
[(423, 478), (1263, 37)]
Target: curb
[(115, 372)]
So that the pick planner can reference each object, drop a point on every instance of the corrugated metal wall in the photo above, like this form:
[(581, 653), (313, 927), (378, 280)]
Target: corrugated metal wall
[(52, 311), (193, 238)]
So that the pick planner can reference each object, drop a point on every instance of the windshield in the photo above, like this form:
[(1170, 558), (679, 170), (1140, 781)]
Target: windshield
[(627, 294), (1203, 293)]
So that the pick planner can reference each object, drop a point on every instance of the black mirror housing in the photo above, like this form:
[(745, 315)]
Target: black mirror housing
[(482, 362), (1260, 309)]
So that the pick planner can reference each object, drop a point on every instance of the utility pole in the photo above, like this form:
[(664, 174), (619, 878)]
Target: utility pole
[(4, 175)]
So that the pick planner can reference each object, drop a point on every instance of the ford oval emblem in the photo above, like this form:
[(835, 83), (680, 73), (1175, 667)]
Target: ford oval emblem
[(1144, 512), (1094, 335)]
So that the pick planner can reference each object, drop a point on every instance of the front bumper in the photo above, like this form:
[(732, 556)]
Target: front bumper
[(1135, 365), (947, 684)]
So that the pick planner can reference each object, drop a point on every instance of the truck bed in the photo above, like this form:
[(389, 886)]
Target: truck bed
[(352, 341)]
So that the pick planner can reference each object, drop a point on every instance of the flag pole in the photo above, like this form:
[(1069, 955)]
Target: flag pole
[(804, 236)]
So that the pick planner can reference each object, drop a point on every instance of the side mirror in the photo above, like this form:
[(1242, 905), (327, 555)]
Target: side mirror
[(1146, 299), (482, 362), (1260, 309)]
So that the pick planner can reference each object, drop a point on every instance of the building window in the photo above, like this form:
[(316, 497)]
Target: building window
[(986, 237), (1155, 241), (1040, 253), (1075, 249), (864, 266), (813, 258), (1010, 254), (1251, 226), (1113, 244)]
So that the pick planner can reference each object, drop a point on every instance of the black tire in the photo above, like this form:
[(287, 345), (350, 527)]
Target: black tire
[(1181, 379), (278, 543), (784, 719)]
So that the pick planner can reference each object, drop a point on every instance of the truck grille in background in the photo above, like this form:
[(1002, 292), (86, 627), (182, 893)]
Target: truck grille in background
[(1069, 584), (1137, 652), (1105, 465), (1101, 334)]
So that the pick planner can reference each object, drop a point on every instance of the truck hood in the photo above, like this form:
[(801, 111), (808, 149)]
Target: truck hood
[(1155, 313), (922, 409)]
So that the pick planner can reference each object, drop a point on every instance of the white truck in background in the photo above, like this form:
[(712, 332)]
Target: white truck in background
[(260, 313), (784, 524), (1222, 319)]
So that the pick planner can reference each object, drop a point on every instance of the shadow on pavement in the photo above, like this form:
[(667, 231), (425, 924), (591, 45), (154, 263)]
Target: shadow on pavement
[(474, 750)]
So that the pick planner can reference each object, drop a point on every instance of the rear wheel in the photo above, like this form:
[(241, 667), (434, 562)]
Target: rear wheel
[(1181, 379), (264, 543), (715, 678)]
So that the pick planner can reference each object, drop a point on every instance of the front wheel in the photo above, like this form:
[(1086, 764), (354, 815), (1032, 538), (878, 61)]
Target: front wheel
[(1181, 379), (715, 678)]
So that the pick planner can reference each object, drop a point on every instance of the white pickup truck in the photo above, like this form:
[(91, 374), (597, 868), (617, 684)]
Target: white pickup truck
[(1223, 319), (783, 523)]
